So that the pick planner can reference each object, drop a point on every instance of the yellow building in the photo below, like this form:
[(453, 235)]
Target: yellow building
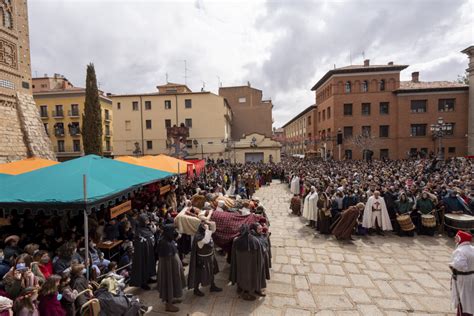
[(140, 122), (61, 106)]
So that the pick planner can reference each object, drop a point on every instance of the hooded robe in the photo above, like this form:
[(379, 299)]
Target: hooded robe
[(247, 267), (367, 218), (144, 263)]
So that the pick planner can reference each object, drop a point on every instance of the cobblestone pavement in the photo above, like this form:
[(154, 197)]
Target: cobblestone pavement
[(318, 275)]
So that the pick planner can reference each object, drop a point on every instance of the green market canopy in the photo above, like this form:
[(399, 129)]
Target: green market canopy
[(60, 187)]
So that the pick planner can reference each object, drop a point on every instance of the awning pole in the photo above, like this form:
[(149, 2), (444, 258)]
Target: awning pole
[(86, 227)]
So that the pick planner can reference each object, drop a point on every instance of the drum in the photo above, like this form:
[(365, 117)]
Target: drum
[(405, 222), (428, 220), (459, 221)]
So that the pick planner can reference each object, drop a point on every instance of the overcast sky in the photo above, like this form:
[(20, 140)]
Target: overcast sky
[(282, 47)]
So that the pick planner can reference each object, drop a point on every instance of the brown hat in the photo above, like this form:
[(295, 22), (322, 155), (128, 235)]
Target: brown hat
[(12, 238)]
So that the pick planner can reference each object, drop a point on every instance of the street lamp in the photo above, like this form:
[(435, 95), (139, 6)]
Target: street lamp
[(439, 130)]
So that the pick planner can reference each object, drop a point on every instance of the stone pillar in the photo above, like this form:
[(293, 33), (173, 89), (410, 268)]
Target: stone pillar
[(470, 130)]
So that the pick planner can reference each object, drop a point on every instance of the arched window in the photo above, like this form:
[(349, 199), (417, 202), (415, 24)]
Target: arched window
[(382, 85), (348, 87), (365, 86), (7, 20)]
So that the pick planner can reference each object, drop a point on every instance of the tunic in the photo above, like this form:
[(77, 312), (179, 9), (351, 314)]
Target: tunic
[(295, 205), (324, 218), (203, 264), (344, 227), (462, 287), (144, 263)]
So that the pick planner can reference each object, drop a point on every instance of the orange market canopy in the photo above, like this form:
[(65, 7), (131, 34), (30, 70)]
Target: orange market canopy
[(25, 165), (160, 162)]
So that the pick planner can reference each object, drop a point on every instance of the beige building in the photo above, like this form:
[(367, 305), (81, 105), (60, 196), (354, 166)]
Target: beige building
[(251, 113), (257, 148), (21, 131), (61, 106), (141, 121)]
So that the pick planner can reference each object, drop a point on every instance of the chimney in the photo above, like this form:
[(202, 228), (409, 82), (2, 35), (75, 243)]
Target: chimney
[(366, 62), (390, 63), (415, 76)]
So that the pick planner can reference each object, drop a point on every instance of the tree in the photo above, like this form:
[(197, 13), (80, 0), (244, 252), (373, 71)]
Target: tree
[(364, 142), (463, 78), (92, 117)]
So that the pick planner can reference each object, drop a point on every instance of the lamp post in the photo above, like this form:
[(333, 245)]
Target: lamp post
[(439, 130)]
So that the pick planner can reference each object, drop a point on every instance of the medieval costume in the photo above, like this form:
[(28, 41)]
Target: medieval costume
[(425, 206), (404, 206), (258, 231), (310, 207), (295, 185), (462, 282), (295, 205), (203, 265), (248, 264), (144, 263), (345, 225), (171, 280), (323, 223), (376, 214)]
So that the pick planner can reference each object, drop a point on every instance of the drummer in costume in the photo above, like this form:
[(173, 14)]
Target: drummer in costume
[(425, 219), (462, 282), (404, 222)]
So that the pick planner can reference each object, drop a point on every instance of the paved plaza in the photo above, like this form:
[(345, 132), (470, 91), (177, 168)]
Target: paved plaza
[(318, 275)]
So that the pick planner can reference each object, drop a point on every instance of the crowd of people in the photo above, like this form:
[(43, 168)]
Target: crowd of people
[(407, 196), (44, 268)]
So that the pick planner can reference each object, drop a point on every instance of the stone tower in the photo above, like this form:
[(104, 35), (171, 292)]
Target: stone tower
[(470, 129), (22, 133)]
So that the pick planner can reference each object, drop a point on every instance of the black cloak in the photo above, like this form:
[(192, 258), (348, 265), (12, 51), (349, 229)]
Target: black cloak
[(144, 263)]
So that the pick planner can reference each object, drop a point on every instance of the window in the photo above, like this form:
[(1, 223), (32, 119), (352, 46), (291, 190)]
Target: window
[(348, 131), (309, 120), (413, 152), (44, 111), (348, 109), (59, 111), (74, 128), (167, 123), (418, 106), (324, 115), (366, 130), (107, 145), (383, 130), (451, 130), (418, 129), (424, 152), (135, 105), (119, 106), (384, 153), (319, 116), (60, 146), (148, 124), (149, 144), (329, 113), (59, 129), (167, 104), (107, 115), (382, 85), (147, 105), (348, 154), (128, 125), (46, 128), (365, 110), (451, 150), (189, 143), (384, 108), (76, 145), (107, 130), (188, 122), (446, 105), (242, 100), (74, 110), (188, 103), (348, 87), (364, 86)]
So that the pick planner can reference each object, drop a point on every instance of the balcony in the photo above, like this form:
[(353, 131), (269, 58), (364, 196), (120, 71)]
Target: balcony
[(108, 118), (59, 132), (68, 151), (73, 114), (58, 114), (108, 133), (44, 115)]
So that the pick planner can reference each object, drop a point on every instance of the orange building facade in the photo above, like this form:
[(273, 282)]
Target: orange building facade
[(377, 114)]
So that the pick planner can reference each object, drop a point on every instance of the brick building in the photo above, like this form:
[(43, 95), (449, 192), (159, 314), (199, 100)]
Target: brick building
[(375, 111), (21, 131), (251, 114), (300, 132)]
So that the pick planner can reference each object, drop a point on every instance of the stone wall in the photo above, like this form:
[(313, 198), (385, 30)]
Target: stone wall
[(12, 145)]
